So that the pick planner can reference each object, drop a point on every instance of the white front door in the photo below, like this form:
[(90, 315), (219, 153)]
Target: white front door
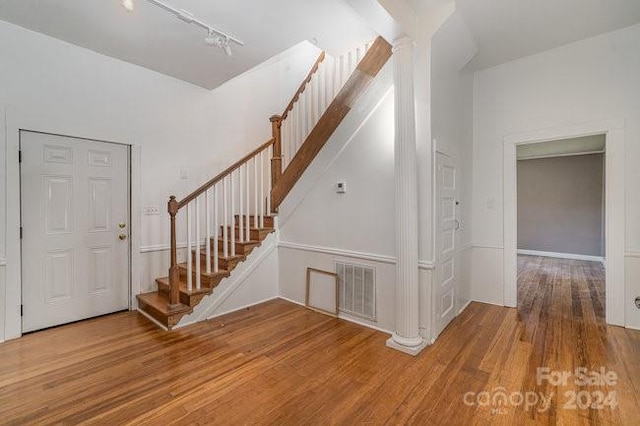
[(444, 294), (75, 229)]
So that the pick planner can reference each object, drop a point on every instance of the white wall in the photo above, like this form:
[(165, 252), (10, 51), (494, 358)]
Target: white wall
[(591, 80), (319, 226), (58, 87), (452, 127)]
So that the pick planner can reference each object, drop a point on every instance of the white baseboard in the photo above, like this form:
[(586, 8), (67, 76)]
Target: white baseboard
[(343, 317), (249, 305), (152, 319), (465, 306), (562, 255)]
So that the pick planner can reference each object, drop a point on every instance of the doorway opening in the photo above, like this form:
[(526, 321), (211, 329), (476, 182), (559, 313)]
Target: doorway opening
[(75, 220), (561, 232)]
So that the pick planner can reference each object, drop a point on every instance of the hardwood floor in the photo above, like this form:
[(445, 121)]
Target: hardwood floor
[(278, 363)]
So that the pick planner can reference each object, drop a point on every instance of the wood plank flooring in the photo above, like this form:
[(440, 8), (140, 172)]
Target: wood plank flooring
[(278, 363)]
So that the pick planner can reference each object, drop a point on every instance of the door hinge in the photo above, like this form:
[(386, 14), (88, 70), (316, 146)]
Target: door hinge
[(20, 156), (21, 232), (21, 310)]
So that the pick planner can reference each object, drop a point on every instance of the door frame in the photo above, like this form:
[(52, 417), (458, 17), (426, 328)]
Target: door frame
[(453, 152), (614, 177), (18, 120)]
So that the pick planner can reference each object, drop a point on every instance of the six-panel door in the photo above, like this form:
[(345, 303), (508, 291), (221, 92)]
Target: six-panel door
[(75, 220)]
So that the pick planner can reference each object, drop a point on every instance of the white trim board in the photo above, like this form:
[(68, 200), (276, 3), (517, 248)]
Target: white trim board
[(3, 262), (379, 258), (561, 255), (614, 131), (343, 317), (632, 254)]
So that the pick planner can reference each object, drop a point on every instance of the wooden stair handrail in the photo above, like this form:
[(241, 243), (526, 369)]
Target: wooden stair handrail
[(373, 61), (303, 86), (195, 194)]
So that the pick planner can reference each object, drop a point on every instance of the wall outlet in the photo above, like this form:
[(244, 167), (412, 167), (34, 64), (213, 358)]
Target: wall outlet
[(638, 302), (151, 210), (341, 187), (184, 174)]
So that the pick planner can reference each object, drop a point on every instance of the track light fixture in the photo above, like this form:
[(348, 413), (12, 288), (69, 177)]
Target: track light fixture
[(214, 36), (128, 4)]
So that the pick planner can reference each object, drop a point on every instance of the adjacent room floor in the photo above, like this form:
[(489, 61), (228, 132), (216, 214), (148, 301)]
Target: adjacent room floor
[(278, 363)]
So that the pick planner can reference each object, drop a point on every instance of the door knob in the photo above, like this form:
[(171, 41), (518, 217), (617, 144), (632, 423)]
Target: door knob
[(122, 237), (122, 225)]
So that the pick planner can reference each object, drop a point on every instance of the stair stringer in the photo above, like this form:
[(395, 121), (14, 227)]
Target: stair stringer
[(365, 106), (258, 274)]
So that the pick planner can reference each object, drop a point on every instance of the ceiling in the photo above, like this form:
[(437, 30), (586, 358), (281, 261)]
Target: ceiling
[(581, 145), (155, 39), (505, 30)]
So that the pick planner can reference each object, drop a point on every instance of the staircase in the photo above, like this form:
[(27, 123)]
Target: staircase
[(229, 217)]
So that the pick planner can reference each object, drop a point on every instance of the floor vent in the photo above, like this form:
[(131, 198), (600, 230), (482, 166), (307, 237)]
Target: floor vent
[(357, 290)]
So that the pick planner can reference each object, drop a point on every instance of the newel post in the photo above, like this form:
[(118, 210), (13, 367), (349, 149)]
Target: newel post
[(174, 274), (276, 160)]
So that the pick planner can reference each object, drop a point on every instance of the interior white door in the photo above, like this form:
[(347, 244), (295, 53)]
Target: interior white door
[(75, 229), (444, 297)]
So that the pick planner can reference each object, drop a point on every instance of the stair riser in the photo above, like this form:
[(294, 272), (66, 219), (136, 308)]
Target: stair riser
[(241, 248), (168, 321), (185, 299), (223, 264), (268, 221), (210, 281), (254, 234)]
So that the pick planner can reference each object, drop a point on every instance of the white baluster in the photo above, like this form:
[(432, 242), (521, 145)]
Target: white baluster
[(198, 256), (314, 101), (322, 78), (338, 74), (225, 219), (240, 207), (207, 239), (256, 192), (262, 189), (358, 55), (216, 230), (248, 221), (189, 255), (308, 117), (269, 150), (233, 216)]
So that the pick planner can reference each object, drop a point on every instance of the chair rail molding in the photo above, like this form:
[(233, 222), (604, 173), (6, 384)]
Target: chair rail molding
[(371, 257)]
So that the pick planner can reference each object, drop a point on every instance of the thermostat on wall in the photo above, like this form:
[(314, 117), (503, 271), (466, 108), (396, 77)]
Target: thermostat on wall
[(341, 187)]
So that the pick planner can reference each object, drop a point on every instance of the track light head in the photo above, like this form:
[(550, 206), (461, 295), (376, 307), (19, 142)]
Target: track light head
[(129, 5), (211, 39)]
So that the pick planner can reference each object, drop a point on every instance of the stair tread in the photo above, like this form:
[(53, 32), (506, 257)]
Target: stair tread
[(249, 242), (183, 287), (203, 271), (264, 228), (160, 303)]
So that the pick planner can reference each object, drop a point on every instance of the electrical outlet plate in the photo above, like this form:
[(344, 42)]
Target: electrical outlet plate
[(151, 210), (341, 187)]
